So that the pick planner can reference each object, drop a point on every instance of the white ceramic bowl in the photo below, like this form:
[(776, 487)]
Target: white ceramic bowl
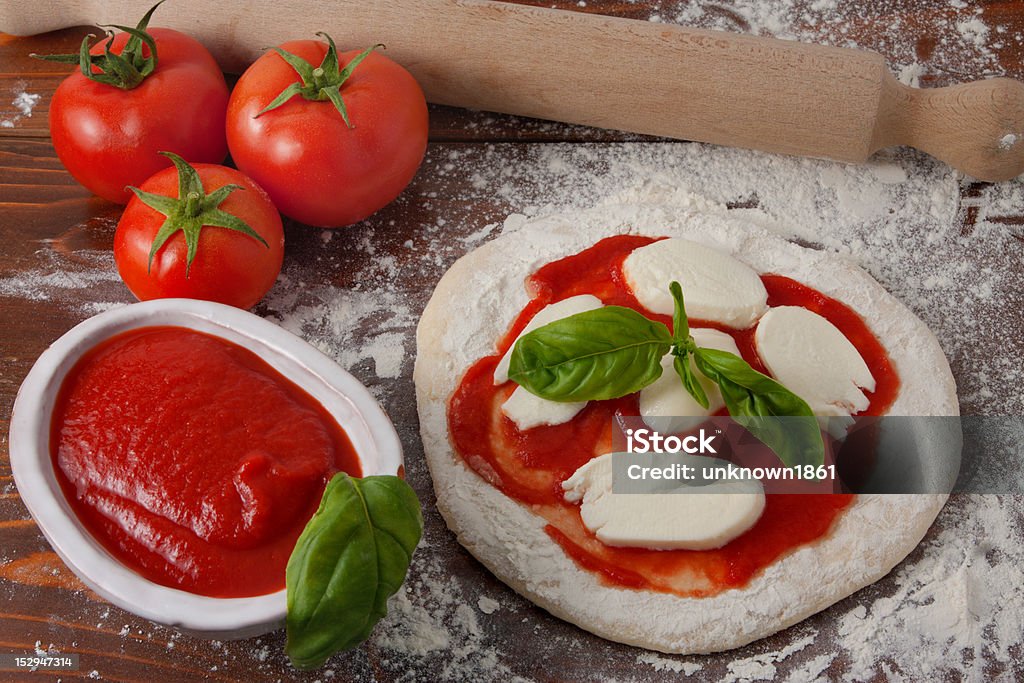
[(369, 429)]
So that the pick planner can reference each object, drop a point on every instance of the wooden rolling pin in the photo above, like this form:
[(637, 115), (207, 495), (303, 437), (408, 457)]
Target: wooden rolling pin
[(711, 86)]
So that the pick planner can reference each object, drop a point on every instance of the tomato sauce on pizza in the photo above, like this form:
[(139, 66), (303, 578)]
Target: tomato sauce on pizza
[(530, 465)]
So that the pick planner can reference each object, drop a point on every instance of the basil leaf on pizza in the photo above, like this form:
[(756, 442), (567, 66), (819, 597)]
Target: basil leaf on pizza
[(614, 351), (754, 400), (681, 364), (591, 356), (680, 323), (747, 391), (683, 346)]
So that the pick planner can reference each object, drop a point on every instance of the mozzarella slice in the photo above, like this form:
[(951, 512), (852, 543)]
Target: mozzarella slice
[(716, 286), (664, 521), (548, 314), (665, 403), (810, 356), (528, 410)]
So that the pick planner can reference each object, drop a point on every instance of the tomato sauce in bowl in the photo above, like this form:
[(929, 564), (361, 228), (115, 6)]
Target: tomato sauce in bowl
[(211, 458), (191, 460)]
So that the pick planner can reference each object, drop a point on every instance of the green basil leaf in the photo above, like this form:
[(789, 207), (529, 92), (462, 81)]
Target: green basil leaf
[(754, 400), (681, 363), (352, 556), (680, 324), (683, 345), (591, 356)]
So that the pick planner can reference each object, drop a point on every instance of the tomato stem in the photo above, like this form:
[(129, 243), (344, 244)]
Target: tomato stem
[(193, 204), (124, 70), (191, 211), (321, 83), (318, 78)]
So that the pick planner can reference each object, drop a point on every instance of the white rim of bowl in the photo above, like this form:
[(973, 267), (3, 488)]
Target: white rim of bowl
[(372, 434)]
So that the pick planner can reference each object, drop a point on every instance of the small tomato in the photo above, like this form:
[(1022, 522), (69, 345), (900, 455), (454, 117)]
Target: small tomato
[(331, 144), (139, 92), (204, 232)]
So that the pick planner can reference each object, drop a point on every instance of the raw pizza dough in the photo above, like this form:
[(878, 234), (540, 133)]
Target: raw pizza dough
[(473, 306)]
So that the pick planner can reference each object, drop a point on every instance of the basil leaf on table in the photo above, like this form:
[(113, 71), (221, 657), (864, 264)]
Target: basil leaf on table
[(591, 356), (755, 400), (352, 556)]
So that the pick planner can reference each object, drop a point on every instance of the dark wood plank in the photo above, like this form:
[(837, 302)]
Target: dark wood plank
[(45, 603)]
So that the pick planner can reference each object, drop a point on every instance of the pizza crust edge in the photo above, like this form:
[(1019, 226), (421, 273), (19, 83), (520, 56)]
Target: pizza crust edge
[(474, 304)]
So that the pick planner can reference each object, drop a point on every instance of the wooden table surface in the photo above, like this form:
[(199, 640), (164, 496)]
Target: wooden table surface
[(54, 244)]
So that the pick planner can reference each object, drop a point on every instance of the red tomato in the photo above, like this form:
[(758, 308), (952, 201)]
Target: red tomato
[(316, 168), (108, 138), (229, 266)]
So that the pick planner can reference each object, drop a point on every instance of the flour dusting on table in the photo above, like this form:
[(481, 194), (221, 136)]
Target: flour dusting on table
[(901, 217), (960, 40), (21, 105), (948, 248)]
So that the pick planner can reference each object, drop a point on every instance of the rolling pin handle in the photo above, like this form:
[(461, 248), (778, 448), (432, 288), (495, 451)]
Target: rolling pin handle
[(977, 128)]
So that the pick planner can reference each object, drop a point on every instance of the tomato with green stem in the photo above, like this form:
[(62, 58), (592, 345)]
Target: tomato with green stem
[(203, 232), (332, 143), (138, 92)]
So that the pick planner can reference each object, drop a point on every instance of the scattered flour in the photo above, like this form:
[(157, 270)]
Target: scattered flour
[(56, 280), (488, 605), (361, 329), (762, 667), (903, 217), (974, 32), (812, 669), (959, 41), (950, 249), (675, 665), (23, 103), (910, 74), (435, 632), (957, 598)]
